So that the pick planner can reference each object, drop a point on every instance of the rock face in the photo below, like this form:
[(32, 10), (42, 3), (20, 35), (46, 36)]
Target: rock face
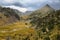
[(7, 16)]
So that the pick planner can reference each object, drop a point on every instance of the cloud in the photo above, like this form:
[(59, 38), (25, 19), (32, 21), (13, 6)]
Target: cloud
[(38, 3), (54, 1), (29, 4), (26, 2), (9, 1), (21, 9)]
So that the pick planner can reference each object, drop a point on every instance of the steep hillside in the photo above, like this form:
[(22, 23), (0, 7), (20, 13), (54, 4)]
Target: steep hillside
[(7, 16), (48, 25)]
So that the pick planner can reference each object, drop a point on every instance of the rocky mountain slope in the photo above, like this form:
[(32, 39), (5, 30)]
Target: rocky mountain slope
[(7, 16), (46, 21), (42, 12)]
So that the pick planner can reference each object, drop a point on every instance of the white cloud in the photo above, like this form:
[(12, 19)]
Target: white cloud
[(53, 1), (31, 1), (25, 2), (36, 1), (29, 4), (9, 1), (18, 8)]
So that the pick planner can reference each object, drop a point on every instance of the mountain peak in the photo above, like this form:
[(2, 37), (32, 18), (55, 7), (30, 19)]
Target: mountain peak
[(47, 8), (47, 5)]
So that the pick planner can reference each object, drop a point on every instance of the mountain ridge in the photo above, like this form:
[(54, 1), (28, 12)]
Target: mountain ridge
[(44, 11), (7, 16)]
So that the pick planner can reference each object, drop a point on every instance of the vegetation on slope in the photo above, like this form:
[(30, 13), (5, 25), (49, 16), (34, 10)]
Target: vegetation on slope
[(47, 26)]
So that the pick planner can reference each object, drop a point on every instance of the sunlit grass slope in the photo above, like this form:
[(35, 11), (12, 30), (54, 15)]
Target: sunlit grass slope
[(17, 28)]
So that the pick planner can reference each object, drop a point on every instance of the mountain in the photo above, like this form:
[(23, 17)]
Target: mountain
[(47, 22), (46, 17), (8, 16), (45, 10), (26, 13), (18, 12)]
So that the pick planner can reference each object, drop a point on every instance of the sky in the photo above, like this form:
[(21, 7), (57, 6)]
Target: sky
[(25, 5)]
